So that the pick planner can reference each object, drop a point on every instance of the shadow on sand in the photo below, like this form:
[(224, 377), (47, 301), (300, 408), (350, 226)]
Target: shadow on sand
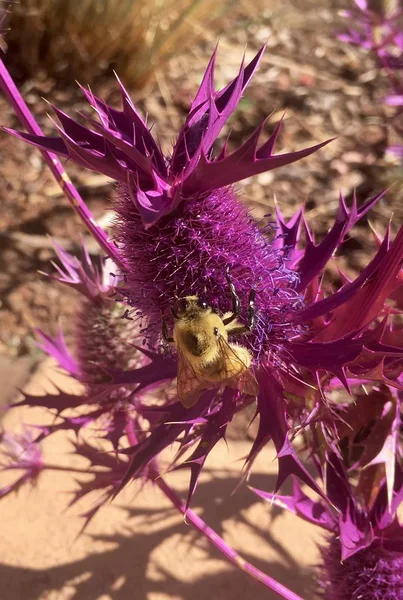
[(122, 572)]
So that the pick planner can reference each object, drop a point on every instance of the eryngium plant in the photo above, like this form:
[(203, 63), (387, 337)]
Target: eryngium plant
[(180, 228)]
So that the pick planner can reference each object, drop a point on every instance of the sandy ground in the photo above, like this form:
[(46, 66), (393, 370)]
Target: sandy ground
[(139, 547)]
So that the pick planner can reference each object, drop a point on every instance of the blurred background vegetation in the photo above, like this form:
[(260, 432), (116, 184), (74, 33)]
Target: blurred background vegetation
[(159, 49), (88, 38)]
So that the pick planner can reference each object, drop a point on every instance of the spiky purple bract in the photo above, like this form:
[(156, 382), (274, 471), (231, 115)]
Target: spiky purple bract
[(362, 556), (372, 574), (20, 451), (121, 146)]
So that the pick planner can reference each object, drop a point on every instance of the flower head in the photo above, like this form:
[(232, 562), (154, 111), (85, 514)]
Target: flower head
[(377, 26), (189, 253), (104, 343), (180, 223)]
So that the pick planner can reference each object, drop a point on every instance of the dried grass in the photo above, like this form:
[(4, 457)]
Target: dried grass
[(85, 38)]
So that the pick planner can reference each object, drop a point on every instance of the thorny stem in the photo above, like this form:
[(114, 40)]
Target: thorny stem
[(197, 522), (28, 121)]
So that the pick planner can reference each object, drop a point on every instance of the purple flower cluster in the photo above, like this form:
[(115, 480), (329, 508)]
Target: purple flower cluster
[(180, 228), (378, 28)]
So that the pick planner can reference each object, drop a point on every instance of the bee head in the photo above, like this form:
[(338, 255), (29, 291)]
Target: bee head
[(189, 305)]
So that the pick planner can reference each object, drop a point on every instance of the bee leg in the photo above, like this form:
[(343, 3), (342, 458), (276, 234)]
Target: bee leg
[(236, 309), (165, 335), (236, 328), (236, 303), (251, 312)]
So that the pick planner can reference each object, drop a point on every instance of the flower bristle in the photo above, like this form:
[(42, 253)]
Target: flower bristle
[(189, 251), (373, 573)]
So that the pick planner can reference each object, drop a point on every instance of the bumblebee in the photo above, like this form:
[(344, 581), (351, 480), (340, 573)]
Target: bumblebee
[(206, 358)]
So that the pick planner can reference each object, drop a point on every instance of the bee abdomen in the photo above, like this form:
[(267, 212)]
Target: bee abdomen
[(196, 343)]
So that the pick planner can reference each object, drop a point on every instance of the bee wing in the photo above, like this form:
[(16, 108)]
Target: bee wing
[(235, 359), (237, 368), (247, 383), (190, 384)]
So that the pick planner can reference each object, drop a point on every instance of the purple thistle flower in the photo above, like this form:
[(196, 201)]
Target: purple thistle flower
[(377, 27), (180, 227), (104, 344), (363, 551)]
